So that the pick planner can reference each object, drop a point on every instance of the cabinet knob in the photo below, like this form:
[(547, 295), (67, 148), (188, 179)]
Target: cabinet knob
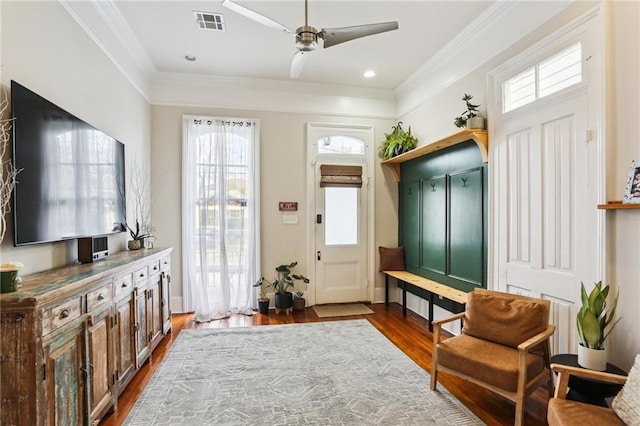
[(141, 274), (155, 268), (64, 313), (101, 296), (124, 284), (136, 327)]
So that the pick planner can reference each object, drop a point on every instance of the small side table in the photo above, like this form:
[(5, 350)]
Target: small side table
[(588, 390)]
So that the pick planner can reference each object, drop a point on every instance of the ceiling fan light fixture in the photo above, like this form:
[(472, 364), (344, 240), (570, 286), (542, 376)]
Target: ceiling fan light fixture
[(306, 38)]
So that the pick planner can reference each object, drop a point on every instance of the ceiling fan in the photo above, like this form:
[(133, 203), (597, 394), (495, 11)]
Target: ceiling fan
[(307, 37)]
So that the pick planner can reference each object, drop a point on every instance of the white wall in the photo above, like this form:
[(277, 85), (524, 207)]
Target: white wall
[(44, 49), (434, 119), (283, 178)]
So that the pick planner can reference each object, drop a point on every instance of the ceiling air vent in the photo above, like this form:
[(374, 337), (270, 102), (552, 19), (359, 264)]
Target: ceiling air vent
[(209, 21)]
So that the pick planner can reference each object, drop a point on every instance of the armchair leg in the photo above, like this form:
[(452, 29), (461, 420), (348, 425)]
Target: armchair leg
[(434, 373), (519, 411)]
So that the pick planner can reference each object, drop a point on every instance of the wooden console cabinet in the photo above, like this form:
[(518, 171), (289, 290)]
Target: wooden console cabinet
[(72, 338)]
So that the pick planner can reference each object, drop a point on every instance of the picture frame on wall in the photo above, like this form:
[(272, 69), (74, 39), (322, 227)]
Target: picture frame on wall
[(632, 190)]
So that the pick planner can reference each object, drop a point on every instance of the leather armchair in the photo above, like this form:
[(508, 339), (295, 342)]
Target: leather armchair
[(504, 346)]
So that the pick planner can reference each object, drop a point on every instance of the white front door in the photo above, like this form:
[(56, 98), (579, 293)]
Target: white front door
[(340, 218), (341, 242), (545, 230)]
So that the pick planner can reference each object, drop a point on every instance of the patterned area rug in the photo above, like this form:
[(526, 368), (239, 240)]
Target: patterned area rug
[(341, 310), (326, 373)]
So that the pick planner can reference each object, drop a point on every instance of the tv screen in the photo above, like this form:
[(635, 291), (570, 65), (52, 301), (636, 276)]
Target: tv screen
[(72, 179)]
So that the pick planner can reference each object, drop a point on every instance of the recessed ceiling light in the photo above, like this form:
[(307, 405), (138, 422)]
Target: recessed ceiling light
[(369, 74), (190, 58)]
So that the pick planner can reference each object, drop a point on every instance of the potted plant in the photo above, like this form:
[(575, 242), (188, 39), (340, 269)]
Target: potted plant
[(137, 237), (594, 325), (397, 142), (470, 117), (282, 283), (299, 301), (263, 300)]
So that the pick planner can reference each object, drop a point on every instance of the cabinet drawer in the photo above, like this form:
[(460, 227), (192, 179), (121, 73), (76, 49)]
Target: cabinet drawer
[(99, 296), (140, 275), (123, 285), (154, 268), (165, 263), (60, 315)]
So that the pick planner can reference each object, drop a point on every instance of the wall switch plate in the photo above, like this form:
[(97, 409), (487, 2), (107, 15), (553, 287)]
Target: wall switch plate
[(290, 219)]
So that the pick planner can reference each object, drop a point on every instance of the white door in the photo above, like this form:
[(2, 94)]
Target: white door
[(545, 232), (341, 242), (340, 217)]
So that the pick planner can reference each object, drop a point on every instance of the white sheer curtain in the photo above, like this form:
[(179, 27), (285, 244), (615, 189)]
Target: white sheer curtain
[(220, 215)]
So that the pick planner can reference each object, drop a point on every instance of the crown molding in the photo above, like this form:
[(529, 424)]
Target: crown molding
[(498, 27), (197, 90), (105, 25)]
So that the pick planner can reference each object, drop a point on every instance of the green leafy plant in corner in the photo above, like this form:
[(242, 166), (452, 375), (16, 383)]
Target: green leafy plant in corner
[(595, 316), (472, 111), (138, 234), (284, 280), (397, 142)]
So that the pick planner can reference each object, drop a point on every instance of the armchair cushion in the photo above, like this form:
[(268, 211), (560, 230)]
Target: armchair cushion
[(566, 412), (504, 318), (627, 403), (490, 362)]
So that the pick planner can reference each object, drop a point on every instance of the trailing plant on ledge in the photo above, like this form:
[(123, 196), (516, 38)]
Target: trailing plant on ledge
[(397, 142)]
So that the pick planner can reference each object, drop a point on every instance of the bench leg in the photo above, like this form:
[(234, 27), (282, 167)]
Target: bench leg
[(404, 298), (386, 289)]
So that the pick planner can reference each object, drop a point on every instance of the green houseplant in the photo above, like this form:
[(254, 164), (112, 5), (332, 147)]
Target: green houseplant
[(397, 142), (284, 280), (299, 301), (263, 300), (137, 237), (594, 323), (469, 118)]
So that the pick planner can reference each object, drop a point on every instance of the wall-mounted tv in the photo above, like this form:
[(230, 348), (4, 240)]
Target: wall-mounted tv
[(72, 179)]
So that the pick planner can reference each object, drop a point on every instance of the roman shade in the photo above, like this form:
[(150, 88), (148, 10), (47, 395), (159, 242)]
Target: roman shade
[(340, 176)]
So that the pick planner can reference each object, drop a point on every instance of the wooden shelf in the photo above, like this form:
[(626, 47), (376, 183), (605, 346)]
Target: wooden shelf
[(617, 205), (477, 135)]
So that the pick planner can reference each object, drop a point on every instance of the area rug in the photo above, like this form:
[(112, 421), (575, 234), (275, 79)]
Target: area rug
[(325, 373), (341, 310)]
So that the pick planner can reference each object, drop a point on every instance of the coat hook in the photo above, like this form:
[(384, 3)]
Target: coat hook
[(433, 187), (464, 182)]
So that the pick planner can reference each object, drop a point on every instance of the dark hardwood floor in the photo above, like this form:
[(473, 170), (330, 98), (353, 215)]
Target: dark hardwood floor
[(409, 333)]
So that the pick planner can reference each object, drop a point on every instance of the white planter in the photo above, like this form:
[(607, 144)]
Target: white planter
[(476, 122), (593, 359)]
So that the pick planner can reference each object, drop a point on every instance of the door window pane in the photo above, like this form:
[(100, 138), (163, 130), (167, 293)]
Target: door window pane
[(340, 145), (341, 216)]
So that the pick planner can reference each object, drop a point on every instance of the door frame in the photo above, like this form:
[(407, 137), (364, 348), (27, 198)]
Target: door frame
[(368, 184)]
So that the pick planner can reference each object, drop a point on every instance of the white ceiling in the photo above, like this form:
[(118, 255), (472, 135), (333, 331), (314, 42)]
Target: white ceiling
[(247, 66), (167, 32)]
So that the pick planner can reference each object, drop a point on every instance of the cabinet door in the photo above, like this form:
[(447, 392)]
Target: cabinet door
[(124, 338), (100, 362), (65, 379), (154, 311), (140, 326), (165, 297)]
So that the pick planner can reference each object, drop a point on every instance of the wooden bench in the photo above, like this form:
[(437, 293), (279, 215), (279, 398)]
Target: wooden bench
[(432, 288)]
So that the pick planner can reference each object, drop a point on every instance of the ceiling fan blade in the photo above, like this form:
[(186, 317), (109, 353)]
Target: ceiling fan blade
[(248, 13), (333, 36), (297, 63)]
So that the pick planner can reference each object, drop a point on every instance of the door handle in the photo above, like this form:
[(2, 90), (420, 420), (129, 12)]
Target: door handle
[(318, 218), (319, 255)]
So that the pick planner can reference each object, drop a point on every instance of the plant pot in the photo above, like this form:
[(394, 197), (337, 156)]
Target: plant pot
[(299, 304), (593, 359), (263, 306), (476, 122), (284, 301), (9, 281), (134, 244)]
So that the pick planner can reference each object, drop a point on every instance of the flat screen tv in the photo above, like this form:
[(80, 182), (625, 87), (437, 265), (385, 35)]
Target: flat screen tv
[(72, 179)]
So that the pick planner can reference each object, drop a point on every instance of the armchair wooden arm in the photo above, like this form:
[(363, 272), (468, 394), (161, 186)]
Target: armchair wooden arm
[(565, 371), (534, 341), (437, 326)]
